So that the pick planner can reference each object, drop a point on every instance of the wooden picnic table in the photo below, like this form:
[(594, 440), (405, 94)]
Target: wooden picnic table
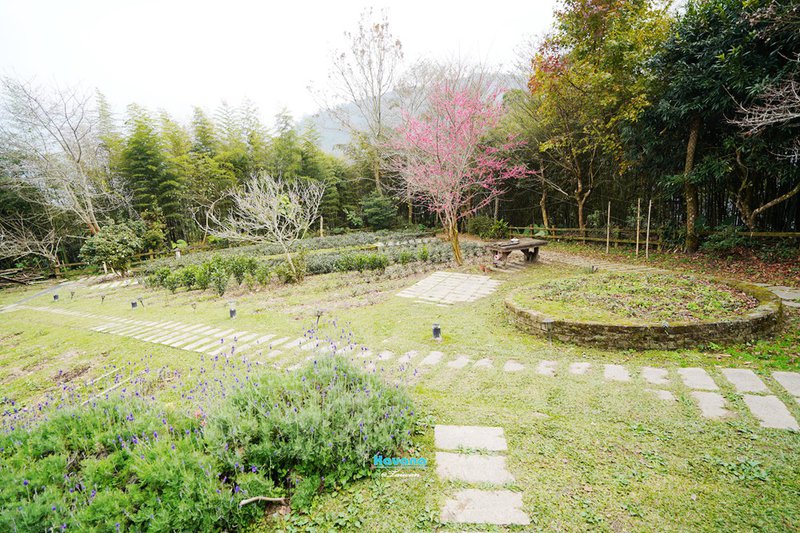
[(529, 247)]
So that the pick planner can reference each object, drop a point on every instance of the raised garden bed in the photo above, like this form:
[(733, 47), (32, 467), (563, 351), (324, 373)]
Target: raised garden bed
[(644, 310)]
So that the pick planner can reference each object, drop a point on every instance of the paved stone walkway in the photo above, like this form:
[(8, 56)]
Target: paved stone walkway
[(701, 386), (477, 506), (197, 338), (446, 288)]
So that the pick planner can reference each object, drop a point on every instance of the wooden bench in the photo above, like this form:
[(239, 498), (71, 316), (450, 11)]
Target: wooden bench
[(529, 247)]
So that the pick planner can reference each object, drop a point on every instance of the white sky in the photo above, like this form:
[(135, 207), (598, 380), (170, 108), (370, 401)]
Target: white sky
[(175, 54)]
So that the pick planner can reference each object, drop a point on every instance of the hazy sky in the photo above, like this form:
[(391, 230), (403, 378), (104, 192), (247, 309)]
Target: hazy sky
[(174, 54)]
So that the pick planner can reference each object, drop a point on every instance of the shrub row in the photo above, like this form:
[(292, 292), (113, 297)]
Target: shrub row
[(363, 238), (217, 272)]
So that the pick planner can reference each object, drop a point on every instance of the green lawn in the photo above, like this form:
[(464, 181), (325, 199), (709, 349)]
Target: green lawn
[(586, 454)]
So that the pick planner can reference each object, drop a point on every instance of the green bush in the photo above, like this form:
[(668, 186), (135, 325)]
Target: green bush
[(202, 277), (379, 211), (479, 225), (219, 277), (423, 253), (405, 257), (173, 281), (285, 272), (116, 463), (129, 464), (262, 274), (238, 267), (319, 427), (488, 228), (115, 245), (188, 276)]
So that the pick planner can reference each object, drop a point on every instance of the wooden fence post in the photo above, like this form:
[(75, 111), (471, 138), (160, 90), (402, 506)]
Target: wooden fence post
[(608, 228), (647, 238), (638, 218)]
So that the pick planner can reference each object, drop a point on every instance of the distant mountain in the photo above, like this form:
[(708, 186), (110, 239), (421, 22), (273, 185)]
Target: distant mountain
[(332, 137)]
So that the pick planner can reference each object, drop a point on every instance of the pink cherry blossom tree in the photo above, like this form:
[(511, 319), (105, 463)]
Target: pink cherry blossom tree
[(444, 160)]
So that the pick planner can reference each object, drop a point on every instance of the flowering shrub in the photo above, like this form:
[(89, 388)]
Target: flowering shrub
[(129, 463)]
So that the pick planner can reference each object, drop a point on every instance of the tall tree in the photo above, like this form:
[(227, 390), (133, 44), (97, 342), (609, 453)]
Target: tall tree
[(444, 162), (54, 138), (362, 76)]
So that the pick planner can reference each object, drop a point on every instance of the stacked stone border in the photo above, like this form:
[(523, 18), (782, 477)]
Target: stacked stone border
[(757, 323)]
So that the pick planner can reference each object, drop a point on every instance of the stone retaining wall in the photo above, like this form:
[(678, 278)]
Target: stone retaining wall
[(758, 323)]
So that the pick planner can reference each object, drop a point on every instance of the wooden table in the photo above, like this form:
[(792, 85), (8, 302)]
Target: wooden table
[(529, 247)]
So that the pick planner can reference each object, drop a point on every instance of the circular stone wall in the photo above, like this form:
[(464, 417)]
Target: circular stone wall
[(759, 322)]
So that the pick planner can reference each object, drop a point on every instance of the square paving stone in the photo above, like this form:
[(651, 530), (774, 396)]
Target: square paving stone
[(655, 376), (789, 380), (472, 506), (712, 404), (616, 373), (665, 395), (477, 437), (697, 378), (459, 362), (473, 468), (744, 380), (547, 368), (771, 412), (579, 368), (513, 366), (432, 359)]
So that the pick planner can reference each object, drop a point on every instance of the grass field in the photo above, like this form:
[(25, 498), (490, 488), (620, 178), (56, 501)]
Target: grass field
[(586, 454)]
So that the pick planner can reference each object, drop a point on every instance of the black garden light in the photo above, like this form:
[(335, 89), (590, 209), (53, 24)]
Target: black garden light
[(232, 309), (133, 304), (55, 297), (437, 332)]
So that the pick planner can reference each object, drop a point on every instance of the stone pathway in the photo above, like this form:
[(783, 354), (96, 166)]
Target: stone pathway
[(199, 338), (445, 288), (772, 412), (789, 295), (477, 506)]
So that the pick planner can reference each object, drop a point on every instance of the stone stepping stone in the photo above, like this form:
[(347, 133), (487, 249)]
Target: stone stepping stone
[(792, 304), (665, 395), (771, 412), (697, 378), (407, 357), (712, 404), (473, 468), (460, 362), (385, 355), (483, 363), (789, 380), (547, 368), (579, 368), (278, 342), (432, 359), (785, 293), (616, 373), (655, 376), (203, 341), (174, 340), (296, 343), (191, 338), (475, 437), (472, 506), (513, 366), (744, 380)]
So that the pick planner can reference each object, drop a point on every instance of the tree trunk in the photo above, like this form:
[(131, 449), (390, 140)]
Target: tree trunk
[(690, 189), (376, 170), (581, 200), (496, 207), (543, 206), (410, 208), (452, 233)]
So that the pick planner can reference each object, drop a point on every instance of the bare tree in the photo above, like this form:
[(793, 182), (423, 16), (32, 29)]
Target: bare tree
[(363, 75), (52, 142), (781, 106), (269, 210), (40, 236)]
